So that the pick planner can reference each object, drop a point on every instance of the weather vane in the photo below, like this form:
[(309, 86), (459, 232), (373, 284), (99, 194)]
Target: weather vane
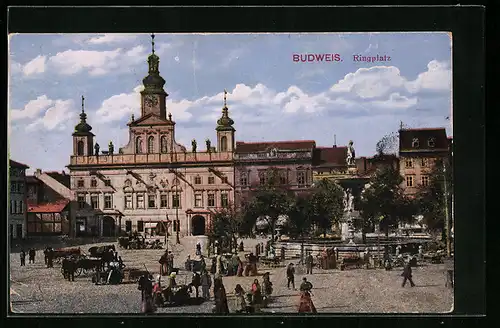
[(153, 42), (225, 93), (83, 102)]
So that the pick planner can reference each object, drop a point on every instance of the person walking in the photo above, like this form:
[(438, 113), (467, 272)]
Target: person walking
[(290, 275), (50, 258), (31, 255), (309, 264), (23, 257), (220, 297), (241, 304), (305, 286), (206, 283), (407, 275)]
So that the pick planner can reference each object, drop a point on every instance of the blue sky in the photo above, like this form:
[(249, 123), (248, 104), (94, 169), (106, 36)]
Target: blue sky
[(270, 96)]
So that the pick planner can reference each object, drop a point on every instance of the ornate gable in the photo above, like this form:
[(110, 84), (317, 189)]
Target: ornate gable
[(151, 119)]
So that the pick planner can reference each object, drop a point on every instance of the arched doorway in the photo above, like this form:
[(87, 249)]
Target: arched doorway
[(198, 225), (108, 226)]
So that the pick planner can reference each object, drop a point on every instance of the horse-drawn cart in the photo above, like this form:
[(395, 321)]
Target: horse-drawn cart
[(352, 261), (61, 253)]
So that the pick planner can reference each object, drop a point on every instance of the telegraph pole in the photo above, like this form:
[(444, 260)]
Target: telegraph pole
[(178, 241), (447, 214)]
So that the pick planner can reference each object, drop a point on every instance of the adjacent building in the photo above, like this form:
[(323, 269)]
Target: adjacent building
[(17, 200), (419, 151), (254, 162), (153, 183)]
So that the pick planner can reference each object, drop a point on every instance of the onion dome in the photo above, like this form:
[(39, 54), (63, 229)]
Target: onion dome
[(83, 126), (153, 81), (225, 123)]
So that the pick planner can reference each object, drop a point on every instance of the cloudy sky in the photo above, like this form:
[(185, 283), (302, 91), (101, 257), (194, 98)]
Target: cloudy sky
[(270, 96)]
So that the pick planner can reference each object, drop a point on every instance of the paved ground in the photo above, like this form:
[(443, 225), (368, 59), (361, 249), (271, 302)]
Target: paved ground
[(36, 289)]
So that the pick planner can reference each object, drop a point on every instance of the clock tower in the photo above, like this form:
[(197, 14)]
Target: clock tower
[(153, 97)]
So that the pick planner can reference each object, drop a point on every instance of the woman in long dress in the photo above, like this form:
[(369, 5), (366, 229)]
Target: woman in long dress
[(220, 297), (240, 299), (256, 295), (306, 304)]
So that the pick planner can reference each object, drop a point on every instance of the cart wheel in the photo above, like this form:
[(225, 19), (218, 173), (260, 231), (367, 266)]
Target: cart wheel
[(78, 272)]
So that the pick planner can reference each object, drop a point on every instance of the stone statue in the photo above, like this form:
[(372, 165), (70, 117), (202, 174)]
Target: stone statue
[(350, 154), (209, 145), (193, 145), (96, 149), (347, 198), (111, 148), (350, 203)]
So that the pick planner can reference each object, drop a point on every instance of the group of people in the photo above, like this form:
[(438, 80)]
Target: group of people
[(31, 256)]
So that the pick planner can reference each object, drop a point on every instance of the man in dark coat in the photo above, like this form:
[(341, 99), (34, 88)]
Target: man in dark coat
[(45, 255), (68, 266), (146, 287), (407, 275), (23, 257), (50, 258), (31, 255), (220, 297), (305, 286), (196, 283), (290, 275), (309, 263)]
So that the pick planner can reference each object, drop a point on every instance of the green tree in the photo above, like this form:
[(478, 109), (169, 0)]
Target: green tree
[(268, 201), (432, 200), (301, 218), (384, 202), (327, 204), (225, 226)]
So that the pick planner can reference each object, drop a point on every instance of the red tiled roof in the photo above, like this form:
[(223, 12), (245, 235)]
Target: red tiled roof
[(250, 147), (406, 137), (54, 207), (330, 156), (18, 164)]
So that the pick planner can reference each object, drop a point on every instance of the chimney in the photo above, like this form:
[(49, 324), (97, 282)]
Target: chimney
[(38, 172), (334, 141)]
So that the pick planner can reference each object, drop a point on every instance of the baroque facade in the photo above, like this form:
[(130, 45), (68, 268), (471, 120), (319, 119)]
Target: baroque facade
[(153, 183), (17, 200)]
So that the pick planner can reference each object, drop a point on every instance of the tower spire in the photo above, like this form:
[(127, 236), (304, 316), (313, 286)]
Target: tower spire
[(225, 99), (153, 42), (83, 104)]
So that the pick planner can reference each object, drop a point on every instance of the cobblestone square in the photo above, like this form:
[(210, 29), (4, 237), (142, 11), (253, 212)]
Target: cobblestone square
[(36, 289)]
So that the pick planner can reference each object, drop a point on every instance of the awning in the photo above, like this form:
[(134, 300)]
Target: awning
[(150, 225)]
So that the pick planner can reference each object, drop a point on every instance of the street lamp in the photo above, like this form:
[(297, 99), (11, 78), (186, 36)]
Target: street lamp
[(177, 214)]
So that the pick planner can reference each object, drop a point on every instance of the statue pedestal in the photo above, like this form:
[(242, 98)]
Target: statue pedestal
[(352, 170)]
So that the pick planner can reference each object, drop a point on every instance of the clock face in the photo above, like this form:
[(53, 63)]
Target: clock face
[(150, 101)]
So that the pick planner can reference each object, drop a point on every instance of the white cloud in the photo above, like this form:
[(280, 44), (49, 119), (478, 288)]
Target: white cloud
[(112, 38), (437, 78), (15, 68), (60, 115), (35, 66), (32, 108)]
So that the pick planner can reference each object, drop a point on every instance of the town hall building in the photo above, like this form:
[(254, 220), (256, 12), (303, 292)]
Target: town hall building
[(153, 183)]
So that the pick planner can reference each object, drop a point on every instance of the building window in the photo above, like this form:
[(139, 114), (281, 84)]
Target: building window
[(128, 183), (197, 180), (128, 226), (211, 200), (163, 201), (108, 201), (224, 200), (81, 201), (163, 145), (223, 143), (138, 145), (283, 179), (425, 162), (107, 183), (263, 178), (140, 200), (211, 180), (140, 226), (409, 180), (198, 200), (408, 163), (21, 207), (128, 201), (93, 183), (431, 142), (176, 201), (80, 183), (151, 145), (301, 178), (425, 180), (13, 187), (94, 201), (151, 201), (223, 179), (80, 146), (243, 179), (415, 143)]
